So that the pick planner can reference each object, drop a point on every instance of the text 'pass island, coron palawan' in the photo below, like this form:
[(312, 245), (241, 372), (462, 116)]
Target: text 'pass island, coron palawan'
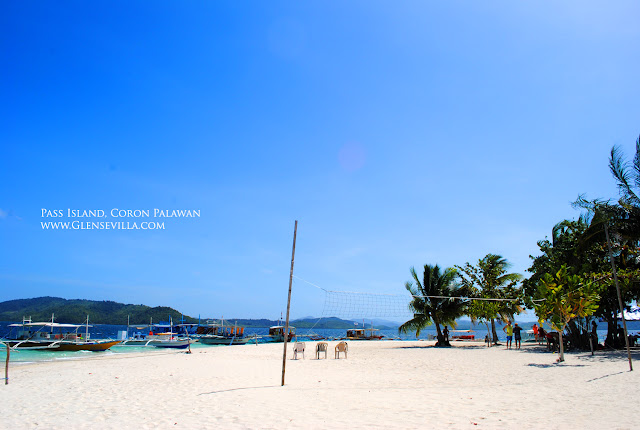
[(120, 213)]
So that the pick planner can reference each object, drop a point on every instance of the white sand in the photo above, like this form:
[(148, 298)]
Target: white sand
[(381, 385)]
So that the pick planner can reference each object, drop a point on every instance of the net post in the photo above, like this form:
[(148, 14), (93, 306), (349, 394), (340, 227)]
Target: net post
[(286, 325), (615, 278), (6, 367)]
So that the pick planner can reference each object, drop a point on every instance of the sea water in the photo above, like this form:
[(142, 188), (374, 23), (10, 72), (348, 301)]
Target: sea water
[(107, 331)]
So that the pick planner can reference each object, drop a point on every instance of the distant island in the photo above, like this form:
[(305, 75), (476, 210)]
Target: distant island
[(75, 311)]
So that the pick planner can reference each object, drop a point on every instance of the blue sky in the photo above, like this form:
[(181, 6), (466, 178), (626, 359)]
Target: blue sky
[(396, 134)]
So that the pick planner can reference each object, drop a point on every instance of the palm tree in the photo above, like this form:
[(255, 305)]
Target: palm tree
[(490, 280), (433, 301)]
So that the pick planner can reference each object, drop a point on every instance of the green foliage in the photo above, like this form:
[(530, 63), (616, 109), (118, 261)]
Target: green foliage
[(490, 279), (576, 249), (562, 297), (605, 287), (566, 248)]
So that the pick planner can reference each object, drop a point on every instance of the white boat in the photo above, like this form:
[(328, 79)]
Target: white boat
[(155, 335), (528, 336)]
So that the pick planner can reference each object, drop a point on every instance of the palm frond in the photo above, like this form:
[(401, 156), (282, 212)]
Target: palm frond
[(636, 164), (621, 172), (417, 323)]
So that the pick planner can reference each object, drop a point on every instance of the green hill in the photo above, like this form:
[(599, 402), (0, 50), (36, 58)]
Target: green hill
[(303, 323), (76, 311), (331, 322), (107, 312), (299, 323)]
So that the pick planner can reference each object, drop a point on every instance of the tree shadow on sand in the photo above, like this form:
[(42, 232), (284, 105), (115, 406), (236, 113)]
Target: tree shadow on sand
[(611, 355), (563, 364), (442, 347)]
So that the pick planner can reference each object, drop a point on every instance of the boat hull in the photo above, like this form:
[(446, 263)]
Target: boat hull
[(89, 346), (175, 344), (28, 344), (135, 342), (219, 340)]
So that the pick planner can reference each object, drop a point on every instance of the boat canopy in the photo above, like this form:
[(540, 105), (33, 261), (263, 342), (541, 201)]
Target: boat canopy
[(48, 324)]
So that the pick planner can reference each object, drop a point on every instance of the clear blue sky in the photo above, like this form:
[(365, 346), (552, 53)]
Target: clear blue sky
[(398, 134)]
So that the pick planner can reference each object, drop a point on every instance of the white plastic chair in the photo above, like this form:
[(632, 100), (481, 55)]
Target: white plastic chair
[(298, 348), (321, 346), (341, 347)]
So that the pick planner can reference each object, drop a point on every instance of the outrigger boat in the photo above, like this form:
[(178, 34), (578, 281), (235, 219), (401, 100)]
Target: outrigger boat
[(157, 337), (364, 334), (52, 336), (276, 333), (463, 335), (215, 333), (529, 336)]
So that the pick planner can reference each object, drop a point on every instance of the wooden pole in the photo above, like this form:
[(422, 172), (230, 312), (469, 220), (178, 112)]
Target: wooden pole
[(615, 278), (286, 325), (6, 367)]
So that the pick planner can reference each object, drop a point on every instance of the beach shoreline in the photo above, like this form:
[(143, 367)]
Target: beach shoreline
[(400, 384)]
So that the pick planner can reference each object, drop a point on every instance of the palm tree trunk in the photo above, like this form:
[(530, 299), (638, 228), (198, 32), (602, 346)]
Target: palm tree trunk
[(440, 341), (487, 324), (494, 332)]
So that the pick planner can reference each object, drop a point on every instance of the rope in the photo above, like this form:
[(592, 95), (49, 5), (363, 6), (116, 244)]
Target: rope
[(417, 296)]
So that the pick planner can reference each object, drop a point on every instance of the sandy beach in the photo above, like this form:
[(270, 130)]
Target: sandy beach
[(400, 385)]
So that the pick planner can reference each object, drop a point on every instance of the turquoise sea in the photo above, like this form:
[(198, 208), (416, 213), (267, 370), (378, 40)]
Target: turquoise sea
[(104, 331)]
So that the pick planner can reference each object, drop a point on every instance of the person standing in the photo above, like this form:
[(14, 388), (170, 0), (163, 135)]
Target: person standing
[(516, 335), (542, 335), (445, 333), (509, 331), (620, 343), (594, 333), (535, 331)]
